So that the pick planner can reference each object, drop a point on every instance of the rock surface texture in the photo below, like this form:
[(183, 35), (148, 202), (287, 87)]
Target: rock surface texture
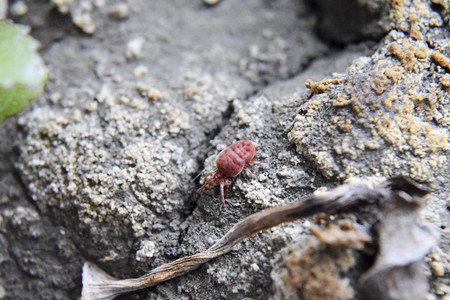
[(142, 96)]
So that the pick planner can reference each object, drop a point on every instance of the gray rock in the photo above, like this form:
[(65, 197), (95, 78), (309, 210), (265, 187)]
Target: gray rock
[(100, 166)]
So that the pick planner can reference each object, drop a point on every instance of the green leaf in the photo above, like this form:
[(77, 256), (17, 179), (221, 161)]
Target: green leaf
[(22, 71)]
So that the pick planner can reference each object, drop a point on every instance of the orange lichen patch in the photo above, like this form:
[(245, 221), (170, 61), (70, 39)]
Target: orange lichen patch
[(390, 131), (407, 58), (343, 124), (395, 74), (445, 80), (415, 33), (391, 97), (345, 147), (395, 102), (343, 232), (441, 59), (408, 53), (341, 100), (426, 105), (379, 83), (357, 106), (321, 86), (406, 131), (421, 51), (315, 273), (413, 16), (421, 136), (315, 105), (405, 107), (440, 264), (372, 145)]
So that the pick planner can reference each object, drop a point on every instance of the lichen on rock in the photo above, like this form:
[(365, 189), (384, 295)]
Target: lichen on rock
[(392, 105)]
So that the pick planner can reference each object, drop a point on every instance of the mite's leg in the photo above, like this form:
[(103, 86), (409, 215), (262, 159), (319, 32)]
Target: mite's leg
[(252, 163), (209, 177), (213, 173), (249, 173)]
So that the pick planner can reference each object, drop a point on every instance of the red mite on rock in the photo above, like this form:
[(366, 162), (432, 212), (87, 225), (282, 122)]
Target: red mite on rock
[(230, 163)]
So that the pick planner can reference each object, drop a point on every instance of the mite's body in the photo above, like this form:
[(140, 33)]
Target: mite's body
[(230, 162)]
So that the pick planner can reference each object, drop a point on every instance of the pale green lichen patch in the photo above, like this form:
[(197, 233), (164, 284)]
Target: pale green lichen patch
[(386, 104)]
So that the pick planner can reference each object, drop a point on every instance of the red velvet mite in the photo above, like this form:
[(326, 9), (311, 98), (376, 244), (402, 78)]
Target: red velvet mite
[(230, 163)]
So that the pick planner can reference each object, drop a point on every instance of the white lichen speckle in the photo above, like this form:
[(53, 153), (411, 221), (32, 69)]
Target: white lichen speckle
[(134, 47), (258, 193), (147, 250)]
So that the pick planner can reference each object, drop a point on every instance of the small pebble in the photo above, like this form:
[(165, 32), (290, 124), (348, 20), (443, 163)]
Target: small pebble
[(119, 11), (18, 8)]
